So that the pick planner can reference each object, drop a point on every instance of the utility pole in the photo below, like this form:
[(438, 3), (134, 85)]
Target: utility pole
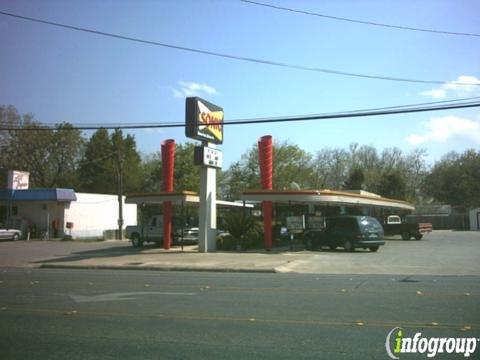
[(119, 188)]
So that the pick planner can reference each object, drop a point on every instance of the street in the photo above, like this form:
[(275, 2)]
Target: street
[(104, 314)]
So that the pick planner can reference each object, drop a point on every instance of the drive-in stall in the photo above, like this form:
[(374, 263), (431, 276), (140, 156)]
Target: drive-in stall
[(182, 201), (298, 210)]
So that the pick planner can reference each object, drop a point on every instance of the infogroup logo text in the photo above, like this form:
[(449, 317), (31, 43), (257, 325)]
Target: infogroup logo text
[(429, 346)]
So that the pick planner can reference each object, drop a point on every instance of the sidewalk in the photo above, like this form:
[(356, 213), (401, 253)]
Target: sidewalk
[(177, 260)]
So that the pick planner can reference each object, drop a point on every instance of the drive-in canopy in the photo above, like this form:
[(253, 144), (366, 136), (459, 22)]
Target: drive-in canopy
[(179, 197), (327, 197)]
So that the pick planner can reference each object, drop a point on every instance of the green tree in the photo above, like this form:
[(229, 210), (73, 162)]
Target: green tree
[(186, 175), (152, 172), (236, 180), (66, 151), (292, 166), (415, 173), (127, 156), (50, 156), (98, 172), (392, 185), (330, 168), (10, 118), (365, 158), (454, 179), (355, 180), (334, 169)]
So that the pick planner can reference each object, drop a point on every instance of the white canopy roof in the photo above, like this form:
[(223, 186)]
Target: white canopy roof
[(188, 197), (326, 197)]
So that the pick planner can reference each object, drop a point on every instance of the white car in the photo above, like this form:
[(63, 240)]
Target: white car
[(190, 235), (10, 234)]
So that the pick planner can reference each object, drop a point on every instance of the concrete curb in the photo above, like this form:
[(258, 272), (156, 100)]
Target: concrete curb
[(157, 268)]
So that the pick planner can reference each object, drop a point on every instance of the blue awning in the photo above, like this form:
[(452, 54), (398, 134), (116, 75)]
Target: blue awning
[(59, 195)]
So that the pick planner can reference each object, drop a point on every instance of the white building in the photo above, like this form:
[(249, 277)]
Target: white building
[(63, 212), (92, 214)]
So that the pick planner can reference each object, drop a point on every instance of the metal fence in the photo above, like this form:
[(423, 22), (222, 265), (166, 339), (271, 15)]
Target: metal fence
[(442, 222)]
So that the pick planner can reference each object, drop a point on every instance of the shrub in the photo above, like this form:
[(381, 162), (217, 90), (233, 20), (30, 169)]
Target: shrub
[(244, 232)]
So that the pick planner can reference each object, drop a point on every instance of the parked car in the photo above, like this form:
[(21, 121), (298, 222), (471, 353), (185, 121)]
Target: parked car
[(152, 231), (349, 232), (10, 234), (393, 226)]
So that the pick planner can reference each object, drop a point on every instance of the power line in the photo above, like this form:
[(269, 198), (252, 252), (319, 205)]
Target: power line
[(180, 123), (350, 114), (353, 114), (235, 57), (360, 21)]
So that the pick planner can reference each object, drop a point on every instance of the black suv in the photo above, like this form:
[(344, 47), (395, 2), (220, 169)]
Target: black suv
[(349, 232)]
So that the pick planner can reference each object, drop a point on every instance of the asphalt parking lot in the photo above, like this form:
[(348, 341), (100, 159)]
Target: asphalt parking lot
[(440, 253)]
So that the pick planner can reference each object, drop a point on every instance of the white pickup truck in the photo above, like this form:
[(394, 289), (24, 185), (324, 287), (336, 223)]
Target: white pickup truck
[(152, 231)]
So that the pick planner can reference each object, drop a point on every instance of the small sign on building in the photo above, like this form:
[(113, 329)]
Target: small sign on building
[(316, 222), (296, 223), (18, 180)]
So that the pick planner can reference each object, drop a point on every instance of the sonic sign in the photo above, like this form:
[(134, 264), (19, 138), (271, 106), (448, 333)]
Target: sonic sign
[(204, 121)]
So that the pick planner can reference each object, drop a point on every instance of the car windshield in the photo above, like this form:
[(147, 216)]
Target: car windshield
[(369, 224)]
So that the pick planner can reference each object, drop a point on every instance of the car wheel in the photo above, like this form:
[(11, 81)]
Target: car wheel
[(15, 237), (418, 236), (348, 246), (406, 236), (136, 241), (374, 248)]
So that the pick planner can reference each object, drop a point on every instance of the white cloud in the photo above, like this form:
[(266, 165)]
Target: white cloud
[(435, 93), (442, 129), (188, 88), (464, 79), (455, 88)]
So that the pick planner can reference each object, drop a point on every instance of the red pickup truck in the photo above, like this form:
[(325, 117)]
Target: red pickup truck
[(393, 226)]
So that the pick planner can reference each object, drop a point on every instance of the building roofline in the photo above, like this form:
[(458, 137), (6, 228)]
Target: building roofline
[(325, 196), (52, 194)]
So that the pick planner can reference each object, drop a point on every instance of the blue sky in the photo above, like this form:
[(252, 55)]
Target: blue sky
[(63, 75)]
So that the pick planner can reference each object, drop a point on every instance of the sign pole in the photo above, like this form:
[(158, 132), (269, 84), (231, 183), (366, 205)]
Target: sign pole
[(208, 208)]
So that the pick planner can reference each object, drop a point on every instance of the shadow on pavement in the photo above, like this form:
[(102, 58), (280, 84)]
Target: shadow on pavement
[(115, 252)]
